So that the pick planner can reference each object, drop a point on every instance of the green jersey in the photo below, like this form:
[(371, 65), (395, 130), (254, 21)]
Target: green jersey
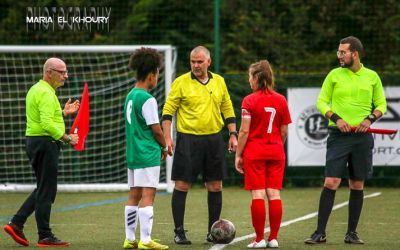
[(351, 95), (43, 112), (140, 111)]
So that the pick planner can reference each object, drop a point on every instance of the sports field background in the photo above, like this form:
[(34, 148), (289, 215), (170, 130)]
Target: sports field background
[(95, 220), (299, 38)]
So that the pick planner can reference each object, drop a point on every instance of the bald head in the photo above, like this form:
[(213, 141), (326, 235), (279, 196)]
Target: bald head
[(201, 49), (55, 72), (53, 63), (200, 60)]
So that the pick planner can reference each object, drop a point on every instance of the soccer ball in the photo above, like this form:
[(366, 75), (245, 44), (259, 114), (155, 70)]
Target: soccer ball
[(223, 231)]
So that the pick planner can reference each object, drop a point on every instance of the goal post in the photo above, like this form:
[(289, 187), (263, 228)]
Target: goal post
[(102, 166)]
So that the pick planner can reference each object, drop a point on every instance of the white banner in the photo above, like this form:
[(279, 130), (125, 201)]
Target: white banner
[(308, 133)]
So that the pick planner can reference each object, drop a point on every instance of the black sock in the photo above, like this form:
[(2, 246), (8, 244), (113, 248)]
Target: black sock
[(325, 208), (178, 203), (355, 206), (214, 207)]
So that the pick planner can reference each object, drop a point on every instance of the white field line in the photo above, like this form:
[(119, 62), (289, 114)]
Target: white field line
[(287, 223)]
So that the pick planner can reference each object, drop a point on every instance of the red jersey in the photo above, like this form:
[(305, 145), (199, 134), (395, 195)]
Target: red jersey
[(268, 111)]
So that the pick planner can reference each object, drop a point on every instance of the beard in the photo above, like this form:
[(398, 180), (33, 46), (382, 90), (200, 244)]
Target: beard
[(347, 65)]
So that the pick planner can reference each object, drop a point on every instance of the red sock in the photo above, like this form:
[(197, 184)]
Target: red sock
[(275, 218), (258, 217)]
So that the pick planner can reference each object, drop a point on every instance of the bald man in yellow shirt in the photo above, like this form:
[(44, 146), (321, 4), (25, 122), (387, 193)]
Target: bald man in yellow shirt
[(198, 98)]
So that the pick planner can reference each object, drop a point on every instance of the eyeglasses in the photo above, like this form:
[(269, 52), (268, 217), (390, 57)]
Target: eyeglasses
[(62, 72), (342, 53)]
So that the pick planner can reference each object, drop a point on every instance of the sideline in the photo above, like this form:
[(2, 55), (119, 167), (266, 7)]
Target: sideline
[(84, 205), (287, 223)]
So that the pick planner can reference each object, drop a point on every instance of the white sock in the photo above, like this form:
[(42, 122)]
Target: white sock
[(131, 218), (146, 223)]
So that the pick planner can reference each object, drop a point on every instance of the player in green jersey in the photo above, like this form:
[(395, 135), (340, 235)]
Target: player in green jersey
[(145, 148)]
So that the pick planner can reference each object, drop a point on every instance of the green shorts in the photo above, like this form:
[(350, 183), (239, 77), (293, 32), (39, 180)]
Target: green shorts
[(349, 155)]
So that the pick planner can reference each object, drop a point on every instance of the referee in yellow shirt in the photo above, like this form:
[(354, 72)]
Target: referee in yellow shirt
[(198, 98), (45, 130)]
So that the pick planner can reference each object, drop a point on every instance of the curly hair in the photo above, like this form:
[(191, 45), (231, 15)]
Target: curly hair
[(145, 61)]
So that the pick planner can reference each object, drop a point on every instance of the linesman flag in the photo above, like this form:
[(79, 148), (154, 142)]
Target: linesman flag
[(81, 123), (378, 131)]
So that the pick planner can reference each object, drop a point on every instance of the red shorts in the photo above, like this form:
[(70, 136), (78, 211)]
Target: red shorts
[(262, 174)]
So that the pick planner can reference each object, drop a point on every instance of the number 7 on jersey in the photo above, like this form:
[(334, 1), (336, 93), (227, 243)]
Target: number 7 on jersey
[(271, 118)]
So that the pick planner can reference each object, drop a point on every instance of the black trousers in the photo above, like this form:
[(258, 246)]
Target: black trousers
[(43, 153)]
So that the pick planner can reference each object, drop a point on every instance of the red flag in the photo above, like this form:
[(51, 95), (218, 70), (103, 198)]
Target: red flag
[(81, 123), (378, 131)]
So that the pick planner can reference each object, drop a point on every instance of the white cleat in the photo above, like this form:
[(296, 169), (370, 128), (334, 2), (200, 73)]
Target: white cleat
[(273, 244), (255, 244)]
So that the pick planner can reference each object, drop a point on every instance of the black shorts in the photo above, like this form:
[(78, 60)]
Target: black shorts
[(349, 155), (195, 154)]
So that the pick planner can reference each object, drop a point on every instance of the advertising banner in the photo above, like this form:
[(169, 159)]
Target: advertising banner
[(309, 131)]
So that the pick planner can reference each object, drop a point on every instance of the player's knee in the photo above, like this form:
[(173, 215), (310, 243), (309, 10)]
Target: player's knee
[(273, 194), (214, 186), (182, 186), (332, 183), (356, 185)]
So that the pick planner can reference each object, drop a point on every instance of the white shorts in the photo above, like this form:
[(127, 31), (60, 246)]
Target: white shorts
[(144, 177)]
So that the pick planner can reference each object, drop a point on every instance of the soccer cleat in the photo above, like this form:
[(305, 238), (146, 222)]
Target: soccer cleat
[(129, 244), (352, 238), (52, 241), (316, 238), (180, 236), (273, 244), (152, 245), (209, 238), (255, 244), (16, 233)]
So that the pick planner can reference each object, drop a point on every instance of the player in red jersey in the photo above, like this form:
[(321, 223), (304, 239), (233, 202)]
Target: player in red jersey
[(260, 153)]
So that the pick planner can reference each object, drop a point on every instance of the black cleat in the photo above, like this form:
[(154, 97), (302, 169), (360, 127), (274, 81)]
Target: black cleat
[(52, 241), (180, 237), (316, 238), (352, 238), (209, 238)]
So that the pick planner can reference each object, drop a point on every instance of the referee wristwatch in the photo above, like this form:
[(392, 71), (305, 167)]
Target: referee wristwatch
[(69, 139), (164, 149), (372, 118), (235, 133)]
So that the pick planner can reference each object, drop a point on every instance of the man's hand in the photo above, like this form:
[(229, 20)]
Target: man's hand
[(232, 145), (343, 126), (71, 139), (363, 126), (71, 108), (170, 145)]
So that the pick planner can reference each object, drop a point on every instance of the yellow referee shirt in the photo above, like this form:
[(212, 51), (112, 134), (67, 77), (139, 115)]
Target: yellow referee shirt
[(199, 106)]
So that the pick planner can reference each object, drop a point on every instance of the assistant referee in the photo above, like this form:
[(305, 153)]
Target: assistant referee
[(198, 98), (351, 96), (45, 130)]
